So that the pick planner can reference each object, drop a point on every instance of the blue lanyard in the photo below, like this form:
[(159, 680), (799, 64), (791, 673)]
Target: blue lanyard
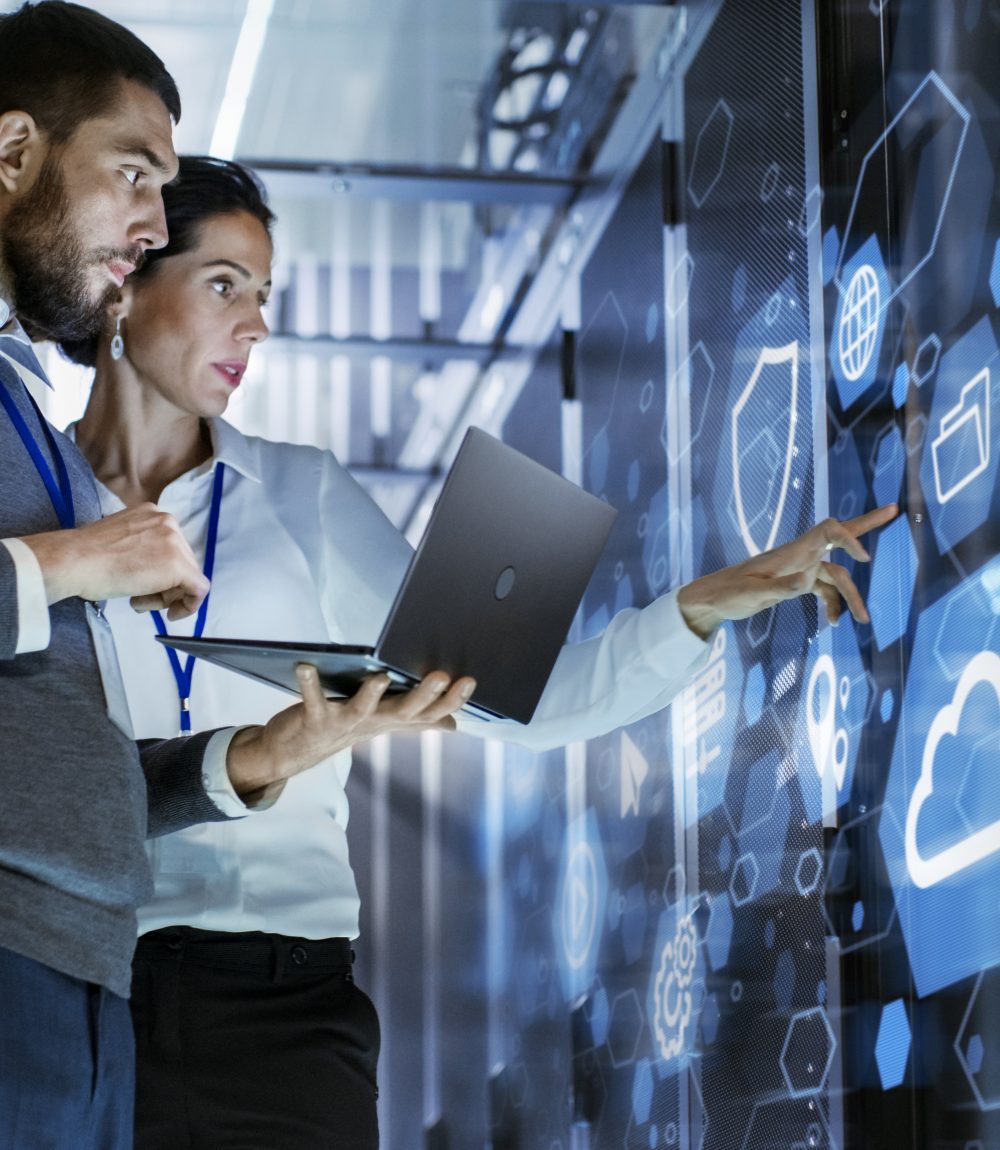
[(60, 492), (183, 673)]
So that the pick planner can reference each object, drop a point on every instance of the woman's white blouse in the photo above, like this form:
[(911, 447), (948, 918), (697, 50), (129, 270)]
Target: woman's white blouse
[(304, 554)]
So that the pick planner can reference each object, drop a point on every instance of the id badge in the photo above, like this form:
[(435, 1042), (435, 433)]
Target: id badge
[(111, 675)]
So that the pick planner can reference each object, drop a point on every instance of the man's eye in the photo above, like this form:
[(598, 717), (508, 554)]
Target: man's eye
[(132, 175)]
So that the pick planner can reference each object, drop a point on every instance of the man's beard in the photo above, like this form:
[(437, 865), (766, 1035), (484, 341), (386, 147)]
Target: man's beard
[(47, 265)]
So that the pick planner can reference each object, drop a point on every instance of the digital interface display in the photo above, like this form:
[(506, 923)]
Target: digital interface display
[(770, 916)]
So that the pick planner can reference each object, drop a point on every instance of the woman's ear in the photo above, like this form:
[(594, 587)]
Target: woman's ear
[(22, 151), (123, 304)]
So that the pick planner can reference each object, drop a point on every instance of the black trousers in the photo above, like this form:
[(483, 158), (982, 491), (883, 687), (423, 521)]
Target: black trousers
[(251, 1042)]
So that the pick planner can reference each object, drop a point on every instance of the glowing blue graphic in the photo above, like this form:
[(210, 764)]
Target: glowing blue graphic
[(958, 469), (858, 325), (890, 464), (580, 909), (762, 470), (940, 826), (900, 385), (708, 712), (710, 151), (892, 1046), (932, 103), (835, 705), (831, 248), (808, 1052), (720, 932), (979, 1052), (642, 1091), (763, 825), (754, 694), (808, 871), (894, 576), (995, 275), (925, 362), (677, 986)]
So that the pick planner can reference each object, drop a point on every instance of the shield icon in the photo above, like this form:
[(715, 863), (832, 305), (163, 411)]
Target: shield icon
[(764, 420)]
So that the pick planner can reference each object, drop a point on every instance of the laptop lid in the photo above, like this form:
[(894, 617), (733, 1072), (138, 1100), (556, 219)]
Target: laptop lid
[(493, 588)]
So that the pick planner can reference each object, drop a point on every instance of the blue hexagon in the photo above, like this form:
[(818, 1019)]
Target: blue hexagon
[(710, 150), (743, 882), (926, 360), (858, 916), (900, 384), (889, 465), (581, 905), (894, 576), (753, 694), (995, 275), (859, 322), (945, 879), (834, 708), (625, 1028), (808, 1052), (597, 461), (831, 248), (887, 705), (892, 1046), (808, 871), (979, 1053), (720, 932), (961, 454), (642, 1090)]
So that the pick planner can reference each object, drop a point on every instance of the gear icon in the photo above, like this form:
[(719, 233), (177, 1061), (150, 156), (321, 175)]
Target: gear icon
[(672, 989)]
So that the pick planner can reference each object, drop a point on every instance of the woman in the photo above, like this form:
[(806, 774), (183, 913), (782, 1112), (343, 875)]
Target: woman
[(249, 1028)]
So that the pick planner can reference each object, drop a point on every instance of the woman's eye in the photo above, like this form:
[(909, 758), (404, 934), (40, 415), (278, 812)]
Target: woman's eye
[(222, 287)]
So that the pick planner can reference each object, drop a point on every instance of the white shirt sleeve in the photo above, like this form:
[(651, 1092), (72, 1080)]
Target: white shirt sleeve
[(219, 788), (33, 629), (634, 668)]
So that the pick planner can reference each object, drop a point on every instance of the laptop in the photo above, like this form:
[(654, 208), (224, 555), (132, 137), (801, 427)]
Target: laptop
[(490, 592)]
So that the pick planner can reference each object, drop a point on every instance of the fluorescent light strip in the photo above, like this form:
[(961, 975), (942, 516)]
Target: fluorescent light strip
[(241, 73)]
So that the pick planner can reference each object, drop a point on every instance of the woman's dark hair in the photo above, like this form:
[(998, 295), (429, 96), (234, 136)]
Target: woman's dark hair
[(203, 189), (63, 64)]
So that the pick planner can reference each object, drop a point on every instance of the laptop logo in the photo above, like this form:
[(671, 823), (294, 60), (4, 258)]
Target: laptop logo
[(505, 583)]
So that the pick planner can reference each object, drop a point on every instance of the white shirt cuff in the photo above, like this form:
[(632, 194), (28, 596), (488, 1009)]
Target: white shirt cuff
[(217, 784), (665, 638), (33, 629)]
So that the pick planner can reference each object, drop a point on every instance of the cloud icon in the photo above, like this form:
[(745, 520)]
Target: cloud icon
[(925, 872)]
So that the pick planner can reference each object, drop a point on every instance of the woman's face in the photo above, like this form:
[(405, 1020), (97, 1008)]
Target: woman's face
[(190, 324)]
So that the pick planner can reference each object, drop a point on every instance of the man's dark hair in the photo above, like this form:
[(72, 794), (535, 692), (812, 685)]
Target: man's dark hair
[(203, 189), (64, 64)]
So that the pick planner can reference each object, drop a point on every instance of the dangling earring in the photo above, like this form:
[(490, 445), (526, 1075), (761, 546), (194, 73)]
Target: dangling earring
[(117, 343)]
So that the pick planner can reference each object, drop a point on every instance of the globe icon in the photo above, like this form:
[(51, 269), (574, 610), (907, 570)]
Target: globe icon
[(859, 321)]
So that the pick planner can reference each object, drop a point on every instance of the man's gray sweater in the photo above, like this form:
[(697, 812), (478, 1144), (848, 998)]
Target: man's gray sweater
[(77, 797)]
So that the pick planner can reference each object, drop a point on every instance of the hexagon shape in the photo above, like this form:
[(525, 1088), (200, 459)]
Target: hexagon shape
[(720, 932), (894, 576), (925, 362), (935, 104), (642, 1090), (892, 1046), (754, 693), (889, 464), (961, 456), (978, 1046), (832, 711), (743, 882), (710, 151), (808, 871), (808, 1052), (916, 433), (859, 322), (624, 1028), (787, 1122), (887, 705), (995, 275), (858, 916), (900, 384), (600, 1016)]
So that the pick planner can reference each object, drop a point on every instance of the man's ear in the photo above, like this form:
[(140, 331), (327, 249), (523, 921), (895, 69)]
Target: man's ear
[(22, 150)]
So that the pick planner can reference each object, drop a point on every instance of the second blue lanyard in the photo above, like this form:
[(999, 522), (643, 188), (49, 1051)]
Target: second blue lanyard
[(184, 672)]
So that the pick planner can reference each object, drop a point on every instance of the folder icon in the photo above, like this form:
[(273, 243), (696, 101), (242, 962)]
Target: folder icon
[(961, 450)]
